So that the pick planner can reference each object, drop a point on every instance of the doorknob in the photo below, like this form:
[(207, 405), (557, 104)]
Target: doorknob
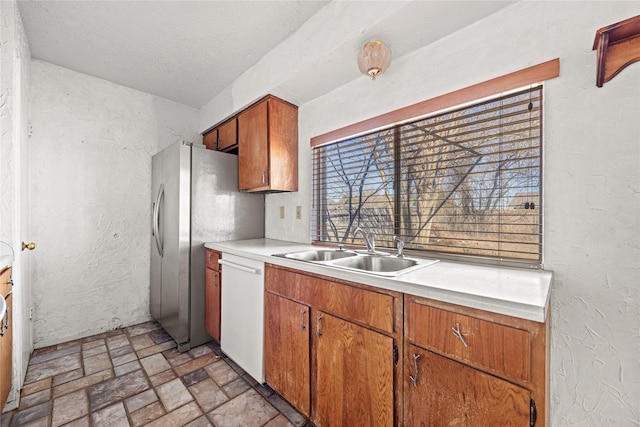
[(31, 246)]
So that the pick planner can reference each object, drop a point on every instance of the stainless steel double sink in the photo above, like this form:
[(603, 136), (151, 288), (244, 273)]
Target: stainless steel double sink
[(364, 263)]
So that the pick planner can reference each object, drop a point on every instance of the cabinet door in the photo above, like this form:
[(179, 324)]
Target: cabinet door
[(253, 148), (227, 135), (286, 350), (212, 302), (210, 139), (353, 374), (450, 393)]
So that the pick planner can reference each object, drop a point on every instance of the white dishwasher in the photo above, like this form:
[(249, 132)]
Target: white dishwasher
[(242, 313)]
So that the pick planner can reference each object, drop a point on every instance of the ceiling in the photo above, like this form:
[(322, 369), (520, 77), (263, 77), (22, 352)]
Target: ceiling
[(189, 51)]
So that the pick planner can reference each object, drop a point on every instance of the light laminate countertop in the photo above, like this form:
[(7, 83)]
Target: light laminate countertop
[(511, 291)]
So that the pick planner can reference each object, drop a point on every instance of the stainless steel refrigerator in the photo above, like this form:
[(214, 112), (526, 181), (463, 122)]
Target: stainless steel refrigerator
[(195, 199)]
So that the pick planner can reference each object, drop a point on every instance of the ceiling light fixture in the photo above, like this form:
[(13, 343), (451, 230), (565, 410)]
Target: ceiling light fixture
[(374, 58)]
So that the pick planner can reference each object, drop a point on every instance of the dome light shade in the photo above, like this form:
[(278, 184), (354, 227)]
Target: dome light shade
[(374, 58)]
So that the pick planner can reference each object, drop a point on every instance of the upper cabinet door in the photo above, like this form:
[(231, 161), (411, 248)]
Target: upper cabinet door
[(253, 148), (227, 135), (268, 146)]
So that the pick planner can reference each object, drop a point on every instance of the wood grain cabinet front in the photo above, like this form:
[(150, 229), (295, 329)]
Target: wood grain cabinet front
[(468, 367), (287, 345), (6, 338), (213, 293), (268, 146), (228, 135), (223, 137), (331, 347)]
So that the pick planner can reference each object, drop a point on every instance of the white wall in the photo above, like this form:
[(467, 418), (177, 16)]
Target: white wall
[(14, 201), (591, 172), (91, 194)]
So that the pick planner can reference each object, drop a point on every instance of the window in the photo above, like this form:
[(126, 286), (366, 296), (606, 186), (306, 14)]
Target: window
[(466, 181)]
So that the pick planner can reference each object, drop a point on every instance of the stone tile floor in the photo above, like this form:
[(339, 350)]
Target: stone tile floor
[(136, 377)]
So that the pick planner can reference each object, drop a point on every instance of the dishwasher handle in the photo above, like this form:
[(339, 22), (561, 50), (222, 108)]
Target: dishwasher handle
[(240, 267)]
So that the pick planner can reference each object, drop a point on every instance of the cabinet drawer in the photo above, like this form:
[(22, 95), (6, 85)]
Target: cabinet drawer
[(502, 349), (212, 259), (370, 308)]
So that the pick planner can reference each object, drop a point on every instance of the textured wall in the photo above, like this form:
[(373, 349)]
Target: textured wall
[(91, 178), (591, 167)]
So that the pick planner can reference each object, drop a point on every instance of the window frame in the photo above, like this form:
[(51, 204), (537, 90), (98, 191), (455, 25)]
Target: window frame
[(455, 100)]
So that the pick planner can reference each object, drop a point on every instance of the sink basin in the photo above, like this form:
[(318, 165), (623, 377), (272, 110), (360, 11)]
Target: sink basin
[(372, 264), (377, 264), (382, 265), (319, 255)]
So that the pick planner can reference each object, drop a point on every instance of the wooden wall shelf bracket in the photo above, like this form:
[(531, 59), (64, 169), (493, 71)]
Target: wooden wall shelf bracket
[(618, 46)]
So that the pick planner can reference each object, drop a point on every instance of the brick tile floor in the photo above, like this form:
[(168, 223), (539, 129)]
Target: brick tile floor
[(136, 377)]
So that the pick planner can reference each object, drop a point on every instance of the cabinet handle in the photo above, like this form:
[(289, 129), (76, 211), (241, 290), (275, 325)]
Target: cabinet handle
[(458, 334), (414, 377), (264, 177), (319, 330), (302, 315)]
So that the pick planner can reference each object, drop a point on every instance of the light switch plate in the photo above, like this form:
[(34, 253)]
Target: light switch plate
[(281, 212), (298, 212)]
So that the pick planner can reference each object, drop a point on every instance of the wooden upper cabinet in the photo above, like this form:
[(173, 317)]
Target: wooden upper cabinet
[(268, 146), (223, 137), (228, 135), (210, 139)]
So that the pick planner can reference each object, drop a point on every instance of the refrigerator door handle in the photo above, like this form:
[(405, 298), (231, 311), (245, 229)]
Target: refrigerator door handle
[(156, 220)]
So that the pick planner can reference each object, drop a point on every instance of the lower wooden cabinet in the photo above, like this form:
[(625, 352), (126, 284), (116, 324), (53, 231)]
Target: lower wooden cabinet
[(213, 293), (353, 375), (6, 339), (286, 350), (443, 392), (331, 348), (469, 368)]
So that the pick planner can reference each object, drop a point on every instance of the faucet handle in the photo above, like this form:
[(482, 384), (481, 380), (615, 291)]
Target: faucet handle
[(400, 245), (340, 247)]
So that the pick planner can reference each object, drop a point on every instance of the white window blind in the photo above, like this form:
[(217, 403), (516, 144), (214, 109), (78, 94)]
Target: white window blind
[(466, 181)]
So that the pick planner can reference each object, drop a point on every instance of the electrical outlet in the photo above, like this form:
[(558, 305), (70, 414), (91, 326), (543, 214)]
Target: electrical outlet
[(281, 212), (30, 313), (298, 212)]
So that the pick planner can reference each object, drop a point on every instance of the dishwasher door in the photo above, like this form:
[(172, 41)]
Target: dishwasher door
[(242, 313)]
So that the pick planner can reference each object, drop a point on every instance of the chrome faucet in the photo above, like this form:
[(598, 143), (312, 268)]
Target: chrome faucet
[(400, 246), (369, 239)]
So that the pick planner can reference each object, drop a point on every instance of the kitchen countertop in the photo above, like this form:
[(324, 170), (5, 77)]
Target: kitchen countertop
[(511, 291)]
